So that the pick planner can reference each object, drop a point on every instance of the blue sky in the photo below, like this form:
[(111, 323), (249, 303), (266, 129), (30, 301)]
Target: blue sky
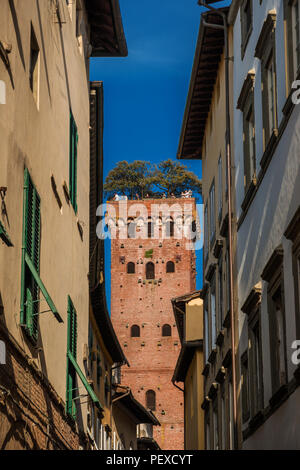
[(145, 93)]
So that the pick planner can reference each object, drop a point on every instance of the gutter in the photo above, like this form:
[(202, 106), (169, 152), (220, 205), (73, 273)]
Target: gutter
[(229, 179)]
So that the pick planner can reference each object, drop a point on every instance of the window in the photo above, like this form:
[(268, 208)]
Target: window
[(73, 162), (72, 348), (150, 270), (213, 312), (151, 400), (245, 386), (205, 233), (31, 252), (273, 275), (246, 23), (206, 331), (170, 227), (256, 376), (223, 417), (216, 425), (135, 331), (130, 268), (207, 431), (231, 416), (293, 233), (265, 51), (278, 339), (249, 142), (166, 330), (292, 15), (170, 268), (227, 280), (34, 70), (212, 218), (220, 295), (150, 229), (220, 187)]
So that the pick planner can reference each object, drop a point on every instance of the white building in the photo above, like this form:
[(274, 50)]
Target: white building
[(267, 171)]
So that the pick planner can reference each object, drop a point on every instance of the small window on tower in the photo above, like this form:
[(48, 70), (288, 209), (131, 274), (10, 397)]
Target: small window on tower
[(150, 270), (170, 267), (151, 400), (166, 330), (130, 268), (135, 331), (170, 227)]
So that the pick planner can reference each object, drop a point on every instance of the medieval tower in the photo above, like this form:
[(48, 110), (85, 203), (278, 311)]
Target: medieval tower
[(152, 261)]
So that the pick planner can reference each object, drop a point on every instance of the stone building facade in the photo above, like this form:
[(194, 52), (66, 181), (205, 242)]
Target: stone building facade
[(146, 273)]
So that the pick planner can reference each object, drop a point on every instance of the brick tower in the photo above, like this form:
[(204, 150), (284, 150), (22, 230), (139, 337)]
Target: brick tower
[(147, 271)]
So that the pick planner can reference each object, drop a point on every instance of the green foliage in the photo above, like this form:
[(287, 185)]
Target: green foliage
[(142, 178)]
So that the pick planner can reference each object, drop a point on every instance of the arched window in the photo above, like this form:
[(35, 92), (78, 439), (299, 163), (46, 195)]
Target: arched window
[(170, 227), (170, 268), (135, 331), (150, 270), (166, 330), (130, 268), (151, 400)]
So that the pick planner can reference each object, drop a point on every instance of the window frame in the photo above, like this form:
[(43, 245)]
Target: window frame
[(245, 31)]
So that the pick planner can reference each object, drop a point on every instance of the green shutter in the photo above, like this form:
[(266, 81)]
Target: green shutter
[(73, 162), (72, 366), (71, 347), (31, 250)]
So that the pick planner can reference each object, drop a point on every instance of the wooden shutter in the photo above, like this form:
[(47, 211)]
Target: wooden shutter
[(72, 347), (31, 237)]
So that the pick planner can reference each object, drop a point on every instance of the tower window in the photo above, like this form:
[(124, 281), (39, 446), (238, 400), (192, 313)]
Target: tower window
[(166, 330), (151, 400), (150, 270), (150, 228), (130, 268), (135, 331), (170, 268), (170, 227)]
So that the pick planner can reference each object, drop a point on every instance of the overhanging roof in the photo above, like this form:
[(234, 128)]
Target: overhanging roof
[(135, 408), (107, 33), (210, 45), (185, 358), (179, 310)]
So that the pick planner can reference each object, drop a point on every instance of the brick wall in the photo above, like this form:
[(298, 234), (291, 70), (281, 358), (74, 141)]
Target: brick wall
[(32, 416), (147, 303)]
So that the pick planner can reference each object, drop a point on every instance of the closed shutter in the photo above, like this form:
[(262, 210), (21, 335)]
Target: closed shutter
[(72, 347), (31, 237)]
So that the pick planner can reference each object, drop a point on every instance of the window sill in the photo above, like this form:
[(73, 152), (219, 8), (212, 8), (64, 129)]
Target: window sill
[(205, 371), (268, 153), (210, 272), (212, 357), (217, 249), (220, 377), (256, 421), (279, 396), (226, 322), (249, 195), (220, 338)]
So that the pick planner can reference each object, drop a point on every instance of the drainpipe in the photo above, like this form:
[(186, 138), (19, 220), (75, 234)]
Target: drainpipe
[(228, 165)]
